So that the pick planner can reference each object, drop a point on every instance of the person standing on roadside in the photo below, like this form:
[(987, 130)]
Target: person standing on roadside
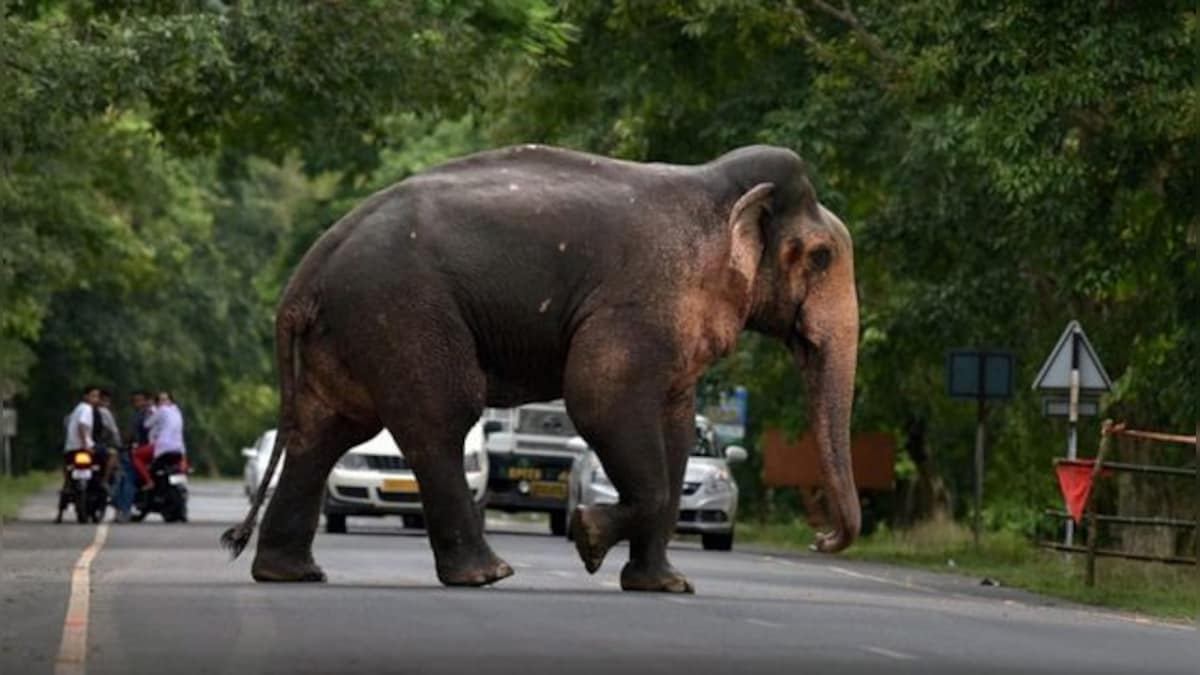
[(107, 436), (139, 427), (139, 435)]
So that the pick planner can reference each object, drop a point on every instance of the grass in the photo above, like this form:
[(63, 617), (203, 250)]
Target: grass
[(1153, 589), (13, 491)]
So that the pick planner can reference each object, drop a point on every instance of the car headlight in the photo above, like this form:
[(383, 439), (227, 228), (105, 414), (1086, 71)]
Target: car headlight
[(471, 462), (352, 461), (718, 481)]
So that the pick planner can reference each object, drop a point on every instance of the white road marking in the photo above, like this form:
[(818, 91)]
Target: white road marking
[(890, 653), (561, 573), (1137, 619), (678, 601), (763, 622), (72, 652), (882, 580)]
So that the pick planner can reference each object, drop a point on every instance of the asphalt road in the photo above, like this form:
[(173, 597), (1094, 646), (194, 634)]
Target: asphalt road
[(165, 599)]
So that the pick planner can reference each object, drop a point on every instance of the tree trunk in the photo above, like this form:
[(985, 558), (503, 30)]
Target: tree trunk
[(927, 498)]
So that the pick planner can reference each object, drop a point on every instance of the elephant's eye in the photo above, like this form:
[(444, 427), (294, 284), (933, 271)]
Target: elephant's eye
[(821, 257)]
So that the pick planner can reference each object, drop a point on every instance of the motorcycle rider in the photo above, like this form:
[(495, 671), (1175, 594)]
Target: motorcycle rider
[(80, 425), (166, 437)]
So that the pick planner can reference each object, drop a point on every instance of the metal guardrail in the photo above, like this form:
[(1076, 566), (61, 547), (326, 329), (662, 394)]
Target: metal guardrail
[(1094, 519)]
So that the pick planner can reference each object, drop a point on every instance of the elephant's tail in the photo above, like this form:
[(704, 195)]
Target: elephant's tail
[(288, 329)]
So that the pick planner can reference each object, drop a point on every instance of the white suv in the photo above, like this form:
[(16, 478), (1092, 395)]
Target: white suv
[(374, 479)]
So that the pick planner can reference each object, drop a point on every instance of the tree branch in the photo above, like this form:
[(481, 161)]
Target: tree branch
[(846, 16)]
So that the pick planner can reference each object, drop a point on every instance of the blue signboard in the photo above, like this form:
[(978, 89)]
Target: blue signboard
[(729, 414)]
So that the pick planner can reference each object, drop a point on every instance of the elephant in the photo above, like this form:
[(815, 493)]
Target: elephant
[(531, 273)]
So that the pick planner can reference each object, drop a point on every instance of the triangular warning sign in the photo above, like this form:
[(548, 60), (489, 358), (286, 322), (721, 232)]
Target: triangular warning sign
[(1056, 372)]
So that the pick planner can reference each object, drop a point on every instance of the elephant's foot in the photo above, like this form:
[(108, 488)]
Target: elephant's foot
[(488, 570), (269, 566), (592, 528), (661, 578)]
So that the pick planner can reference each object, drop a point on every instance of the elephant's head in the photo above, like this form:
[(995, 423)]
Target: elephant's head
[(798, 259)]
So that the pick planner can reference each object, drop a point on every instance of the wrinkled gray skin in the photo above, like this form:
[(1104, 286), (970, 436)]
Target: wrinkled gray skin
[(530, 273)]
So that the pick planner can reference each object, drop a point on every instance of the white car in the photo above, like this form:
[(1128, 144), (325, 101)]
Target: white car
[(374, 479), (257, 457), (708, 502)]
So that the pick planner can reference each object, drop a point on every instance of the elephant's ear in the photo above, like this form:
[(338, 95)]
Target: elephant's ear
[(746, 225)]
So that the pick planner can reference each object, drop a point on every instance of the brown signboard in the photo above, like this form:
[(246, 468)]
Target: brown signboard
[(794, 463)]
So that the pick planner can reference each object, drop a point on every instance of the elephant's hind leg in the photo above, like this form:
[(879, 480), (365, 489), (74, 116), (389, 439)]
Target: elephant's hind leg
[(454, 524), (286, 536), (429, 410)]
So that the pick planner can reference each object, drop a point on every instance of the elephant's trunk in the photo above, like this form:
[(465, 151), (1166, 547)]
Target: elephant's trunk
[(830, 369)]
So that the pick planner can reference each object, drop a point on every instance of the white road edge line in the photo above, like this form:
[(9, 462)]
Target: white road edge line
[(763, 622), (890, 653), (882, 580), (72, 652), (1139, 620)]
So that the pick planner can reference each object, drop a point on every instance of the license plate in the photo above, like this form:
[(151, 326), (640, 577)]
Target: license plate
[(177, 479), (81, 474), (549, 489), (524, 473), (400, 485)]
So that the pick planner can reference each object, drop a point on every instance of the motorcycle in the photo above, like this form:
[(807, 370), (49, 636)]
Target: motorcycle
[(169, 495), (83, 487)]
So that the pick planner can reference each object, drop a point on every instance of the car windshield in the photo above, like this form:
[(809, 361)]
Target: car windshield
[(704, 446), (545, 422)]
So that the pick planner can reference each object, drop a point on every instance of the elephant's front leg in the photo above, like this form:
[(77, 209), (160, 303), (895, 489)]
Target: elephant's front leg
[(679, 436), (630, 444)]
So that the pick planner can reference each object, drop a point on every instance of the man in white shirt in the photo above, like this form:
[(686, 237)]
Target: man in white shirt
[(166, 436), (80, 424), (81, 421)]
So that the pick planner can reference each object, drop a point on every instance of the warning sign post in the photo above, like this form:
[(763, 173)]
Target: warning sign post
[(1073, 380)]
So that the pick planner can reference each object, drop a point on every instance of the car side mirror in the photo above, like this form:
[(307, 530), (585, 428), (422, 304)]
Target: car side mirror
[(735, 454), (492, 426), (577, 445), (249, 453)]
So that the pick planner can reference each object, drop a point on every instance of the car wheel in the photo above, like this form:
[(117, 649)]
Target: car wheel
[(335, 523), (717, 542), (414, 521), (558, 523)]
